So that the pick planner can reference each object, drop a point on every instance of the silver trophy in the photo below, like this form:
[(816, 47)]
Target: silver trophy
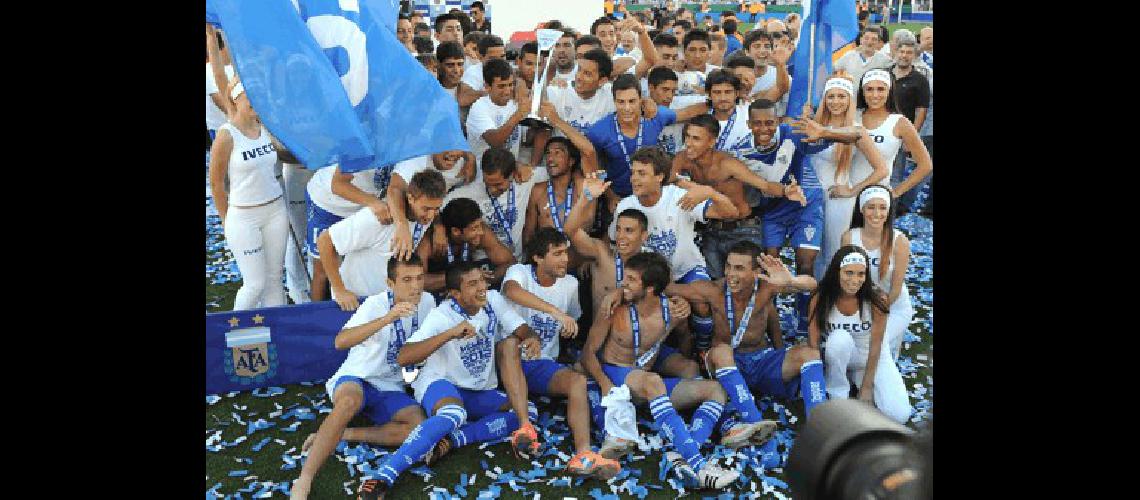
[(546, 40)]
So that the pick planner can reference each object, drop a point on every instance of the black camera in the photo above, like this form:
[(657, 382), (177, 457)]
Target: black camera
[(849, 450)]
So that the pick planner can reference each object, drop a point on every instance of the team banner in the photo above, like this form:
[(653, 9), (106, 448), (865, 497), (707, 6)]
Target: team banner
[(272, 346), (836, 27), (330, 80)]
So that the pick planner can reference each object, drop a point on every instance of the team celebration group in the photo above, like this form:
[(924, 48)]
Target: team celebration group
[(625, 254)]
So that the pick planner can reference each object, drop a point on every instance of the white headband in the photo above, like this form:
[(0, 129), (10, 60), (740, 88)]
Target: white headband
[(877, 75), (839, 83), (875, 192), (237, 90), (852, 258)]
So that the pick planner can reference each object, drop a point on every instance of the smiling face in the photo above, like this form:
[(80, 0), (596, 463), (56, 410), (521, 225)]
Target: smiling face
[(632, 290), (644, 180), (555, 261), (472, 291), (496, 183), (763, 123), (587, 79), (471, 235), (837, 102), (557, 159), (501, 90), (875, 93), (698, 141), (875, 213), (629, 236), (627, 102), (739, 272), (760, 50), (608, 36), (424, 208), (851, 278)]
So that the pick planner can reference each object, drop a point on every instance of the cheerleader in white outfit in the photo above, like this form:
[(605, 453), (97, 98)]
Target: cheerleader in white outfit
[(878, 114), (253, 212), (833, 166), (853, 313), (890, 255)]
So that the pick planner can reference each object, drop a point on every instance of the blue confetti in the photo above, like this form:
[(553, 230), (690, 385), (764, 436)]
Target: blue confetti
[(239, 473)]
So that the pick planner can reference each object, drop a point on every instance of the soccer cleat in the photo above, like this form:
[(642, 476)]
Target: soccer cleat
[(525, 442), (741, 434), (768, 427), (438, 451), (712, 477), (614, 447), (681, 468), (372, 489), (588, 463)]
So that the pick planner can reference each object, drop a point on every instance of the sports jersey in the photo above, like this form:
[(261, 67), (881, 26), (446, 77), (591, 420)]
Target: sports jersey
[(579, 112), (413, 166), (614, 152), (374, 360), (671, 229), (765, 81), (512, 212), (563, 294), (473, 76), (672, 138), (486, 115), (780, 165), (372, 181), (252, 181), (366, 245), (466, 363), (734, 132)]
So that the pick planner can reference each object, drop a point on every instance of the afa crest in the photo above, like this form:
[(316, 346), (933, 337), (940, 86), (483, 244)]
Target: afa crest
[(253, 357)]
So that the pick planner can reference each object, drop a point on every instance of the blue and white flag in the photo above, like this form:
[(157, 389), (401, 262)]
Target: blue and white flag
[(384, 107), (836, 28)]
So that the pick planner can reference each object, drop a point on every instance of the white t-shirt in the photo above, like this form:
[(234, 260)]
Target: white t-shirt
[(408, 168), (468, 364), (581, 113), (563, 294), (453, 92), (671, 230), (365, 244), (672, 136), (766, 81), (215, 117), (473, 76), (486, 115), (320, 189), (374, 360), (689, 81), (739, 136), (854, 64), (477, 192), (567, 77)]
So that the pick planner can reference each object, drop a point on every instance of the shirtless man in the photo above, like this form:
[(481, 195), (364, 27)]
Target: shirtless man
[(741, 356), (459, 234), (629, 341)]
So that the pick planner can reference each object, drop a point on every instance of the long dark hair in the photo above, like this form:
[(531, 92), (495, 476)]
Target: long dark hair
[(892, 103), (886, 244), (829, 290)]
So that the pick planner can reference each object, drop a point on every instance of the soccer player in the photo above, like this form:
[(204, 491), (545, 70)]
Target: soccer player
[(637, 329), (501, 198), (494, 118), (722, 88), (450, 57), (565, 157), (461, 343), (456, 167), (778, 155), (854, 315), (448, 28), (462, 236), (547, 298), (474, 84), (565, 57), (366, 242), (692, 78), (370, 380), (741, 357), (888, 254), (662, 85), (703, 164)]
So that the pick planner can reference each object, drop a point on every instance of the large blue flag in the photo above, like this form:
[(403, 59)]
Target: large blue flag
[(272, 346), (388, 107), (836, 27)]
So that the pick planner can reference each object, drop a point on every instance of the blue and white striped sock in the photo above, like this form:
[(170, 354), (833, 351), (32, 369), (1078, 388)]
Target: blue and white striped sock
[(675, 431), (704, 421), (812, 386), (421, 440), (739, 396), (489, 428)]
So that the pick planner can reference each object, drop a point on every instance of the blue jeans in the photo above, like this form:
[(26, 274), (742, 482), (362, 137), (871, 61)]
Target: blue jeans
[(715, 245)]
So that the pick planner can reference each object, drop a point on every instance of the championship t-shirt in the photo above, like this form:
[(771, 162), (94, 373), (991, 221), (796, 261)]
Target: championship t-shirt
[(671, 229), (563, 294), (374, 360)]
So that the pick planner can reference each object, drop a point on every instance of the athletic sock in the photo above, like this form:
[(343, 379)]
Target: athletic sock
[(812, 386), (802, 301), (728, 420), (739, 395), (704, 421), (489, 428), (702, 327), (421, 440), (597, 411), (675, 431)]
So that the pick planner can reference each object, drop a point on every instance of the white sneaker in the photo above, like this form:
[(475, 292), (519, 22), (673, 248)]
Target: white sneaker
[(715, 478), (681, 468), (744, 434), (614, 448), (765, 432)]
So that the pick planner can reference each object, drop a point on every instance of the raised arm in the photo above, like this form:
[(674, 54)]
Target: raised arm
[(905, 129), (649, 57), (349, 337), (780, 56), (581, 213), (781, 278), (218, 69), (585, 147)]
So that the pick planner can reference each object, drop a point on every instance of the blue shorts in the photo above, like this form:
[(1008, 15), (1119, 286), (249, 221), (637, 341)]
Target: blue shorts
[(380, 406), (617, 376), (662, 354), (802, 225), (538, 373), (478, 404), (695, 274), (317, 219), (762, 370)]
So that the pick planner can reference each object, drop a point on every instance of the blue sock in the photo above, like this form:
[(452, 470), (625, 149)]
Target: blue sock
[(803, 299), (704, 421), (739, 395), (812, 386), (489, 428), (727, 421), (675, 431), (702, 327), (421, 440), (597, 411)]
